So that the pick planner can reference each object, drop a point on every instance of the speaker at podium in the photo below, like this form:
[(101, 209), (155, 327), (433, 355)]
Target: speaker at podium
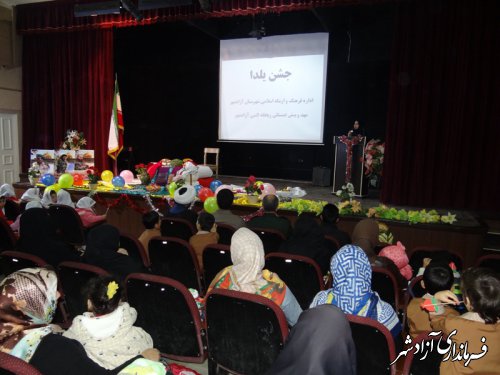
[(349, 156)]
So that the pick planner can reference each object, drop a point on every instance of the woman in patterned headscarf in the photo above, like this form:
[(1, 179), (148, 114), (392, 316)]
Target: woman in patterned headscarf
[(247, 274), (351, 289)]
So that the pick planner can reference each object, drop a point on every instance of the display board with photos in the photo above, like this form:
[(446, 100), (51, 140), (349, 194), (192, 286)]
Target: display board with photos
[(62, 161)]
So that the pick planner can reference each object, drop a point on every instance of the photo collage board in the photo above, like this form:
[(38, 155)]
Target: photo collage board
[(61, 161)]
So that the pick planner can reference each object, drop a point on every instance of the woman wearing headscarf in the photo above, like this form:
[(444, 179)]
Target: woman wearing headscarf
[(63, 197), (247, 274), (49, 197), (85, 208), (103, 245), (38, 237), (27, 305), (307, 239), (351, 289), (333, 352), (16, 224), (9, 207)]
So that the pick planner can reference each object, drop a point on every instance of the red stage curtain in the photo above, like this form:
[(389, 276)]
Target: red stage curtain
[(68, 83), (442, 138)]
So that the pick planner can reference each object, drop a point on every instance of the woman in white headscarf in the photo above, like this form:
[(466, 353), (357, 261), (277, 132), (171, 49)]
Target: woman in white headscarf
[(247, 274), (9, 206), (85, 208), (49, 197), (63, 197), (32, 194)]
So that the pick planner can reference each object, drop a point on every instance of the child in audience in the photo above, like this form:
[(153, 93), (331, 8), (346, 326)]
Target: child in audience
[(206, 235), (85, 208), (437, 276), (107, 330), (49, 197), (478, 330), (63, 197), (151, 221)]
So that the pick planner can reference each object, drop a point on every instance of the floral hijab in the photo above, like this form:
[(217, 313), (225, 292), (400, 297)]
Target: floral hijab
[(27, 305)]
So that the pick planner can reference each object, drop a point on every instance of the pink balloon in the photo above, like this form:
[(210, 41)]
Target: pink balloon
[(267, 189), (127, 175), (222, 187)]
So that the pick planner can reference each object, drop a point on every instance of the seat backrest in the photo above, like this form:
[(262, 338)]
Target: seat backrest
[(417, 255), (301, 274), (134, 249), (210, 150), (13, 365), (375, 348), (7, 237), (415, 288), (271, 238), (73, 276), (175, 258), (167, 310), (489, 261), (12, 209), (332, 244), (176, 227), (225, 232), (249, 348), (385, 284), (12, 261), (216, 257), (426, 361), (68, 223)]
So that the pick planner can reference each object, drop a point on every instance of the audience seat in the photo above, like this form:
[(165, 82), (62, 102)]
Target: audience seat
[(385, 284), (12, 261), (417, 255), (175, 258), (426, 362), (375, 348), (271, 238), (73, 276), (15, 366), (490, 261), (332, 244), (8, 239), (134, 249), (414, 290), (225, 232), (249, 348), (178, 228), (216, 257), (301, 274), (167, 310), (68, 224)]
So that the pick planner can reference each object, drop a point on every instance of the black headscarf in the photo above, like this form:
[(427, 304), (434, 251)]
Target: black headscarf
[(319, 344), (38, 237)]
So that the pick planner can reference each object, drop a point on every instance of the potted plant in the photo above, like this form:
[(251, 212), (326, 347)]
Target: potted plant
[(142, 174), (93, 176), (374, 160), (73, 140), (34, 173)]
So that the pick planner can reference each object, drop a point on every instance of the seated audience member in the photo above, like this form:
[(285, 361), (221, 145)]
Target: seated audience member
[(397, 254), (107, 330), (247, 274), (206, 235), (85, 208), (49, 197), (151, 221), (9, 207), (184, 198), (351, 289), (333, 352), (329, 219), (437, 277), (307, 240), (478, 329), (27, 305), (16, 224), (7, 191), (63, 197), (269, 218), (225, 199), (103, 250), (32, 194), (38, 237)]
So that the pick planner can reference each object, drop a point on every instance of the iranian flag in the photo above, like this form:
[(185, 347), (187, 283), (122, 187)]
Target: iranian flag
[(116, 128)]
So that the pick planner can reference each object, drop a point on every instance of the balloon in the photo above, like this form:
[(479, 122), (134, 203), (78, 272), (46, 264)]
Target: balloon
[(107, 175), (127, 175), (118, 181), (48, 179), (205, 193), (215, 184), (172, 187), (221, 188), (77, 179), (65, 180), (197, 188), (267, 189), (210, 205), (54, 187)]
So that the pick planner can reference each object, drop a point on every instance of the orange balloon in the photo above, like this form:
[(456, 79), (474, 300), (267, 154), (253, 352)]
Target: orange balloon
[(77, 179)]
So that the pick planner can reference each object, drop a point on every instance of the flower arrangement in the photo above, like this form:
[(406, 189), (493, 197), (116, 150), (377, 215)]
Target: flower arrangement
[(303, 205), (141, 169), (93, 175), (346, 193), (350, 207), (34, 170), (374, 157), (252, 186), (384, 236), (73, 140)]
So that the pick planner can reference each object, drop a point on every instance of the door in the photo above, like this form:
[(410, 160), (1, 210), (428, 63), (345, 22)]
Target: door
[(9, 149)]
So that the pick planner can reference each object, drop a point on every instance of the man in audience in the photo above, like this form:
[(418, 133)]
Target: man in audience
[(270, 219), (225, 199), (151, 221), (329, 219), (206, 235)]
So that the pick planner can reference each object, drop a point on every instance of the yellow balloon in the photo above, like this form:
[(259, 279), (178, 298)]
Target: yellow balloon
[(107, 175), (54, 187)]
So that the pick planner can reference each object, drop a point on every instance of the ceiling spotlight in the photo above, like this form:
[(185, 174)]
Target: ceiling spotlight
[(132, 9)]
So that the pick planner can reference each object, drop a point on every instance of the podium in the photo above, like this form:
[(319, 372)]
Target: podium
[(349, 163)]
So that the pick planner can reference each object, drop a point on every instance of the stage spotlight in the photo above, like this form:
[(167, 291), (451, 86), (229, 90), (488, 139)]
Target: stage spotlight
[(132, 9)]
